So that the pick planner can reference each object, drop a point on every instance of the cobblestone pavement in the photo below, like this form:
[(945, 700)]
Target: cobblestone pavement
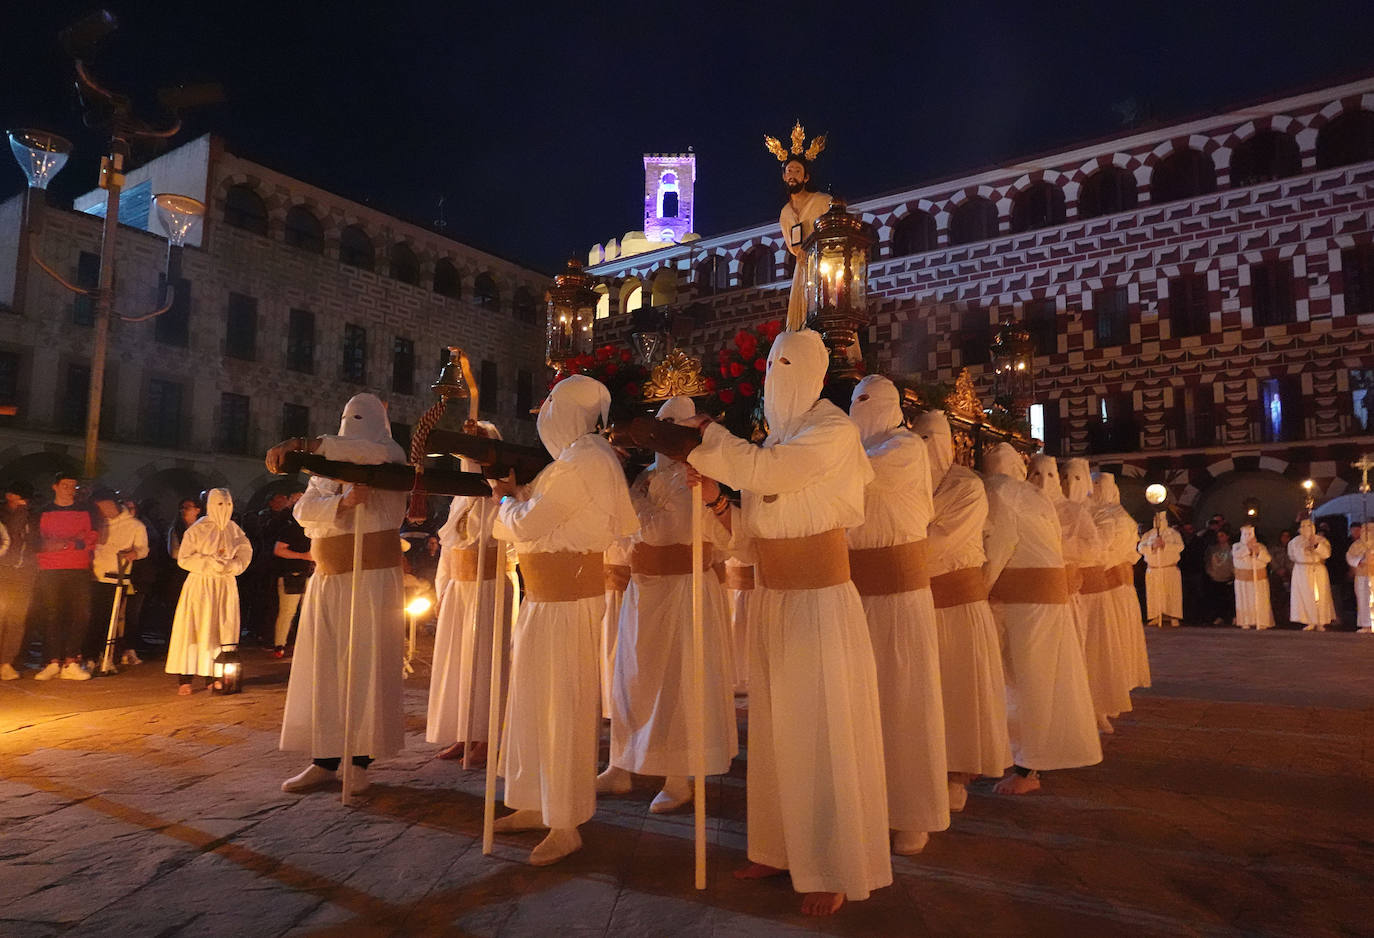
[(1235, 799)]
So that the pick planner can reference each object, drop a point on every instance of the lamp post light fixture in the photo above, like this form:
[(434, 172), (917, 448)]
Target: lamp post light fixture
[(1156, 494), (571, 312), (837, 287)]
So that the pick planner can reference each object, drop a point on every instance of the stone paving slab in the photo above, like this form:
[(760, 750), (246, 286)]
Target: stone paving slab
[(1234, 800)]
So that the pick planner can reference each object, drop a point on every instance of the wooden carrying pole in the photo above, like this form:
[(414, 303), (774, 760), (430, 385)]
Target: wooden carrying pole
[(473, 624), (696, 720), (498, 653), (346, 760)]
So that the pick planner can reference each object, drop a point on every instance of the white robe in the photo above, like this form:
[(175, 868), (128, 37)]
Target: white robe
[(1310, 595), (1049, 706), (1163, 582), (652, 688), (1119, 534), (1252, 596), (550, 751), (739, 602), (313, 721), (1107, 657), (906, 646), (817, 799), (1359, 559), (460, 678), (972, 681), (617, 555), (207, 615)]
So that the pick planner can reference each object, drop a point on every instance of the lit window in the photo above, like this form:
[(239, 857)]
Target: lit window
[(635, 300), (1037, 421)]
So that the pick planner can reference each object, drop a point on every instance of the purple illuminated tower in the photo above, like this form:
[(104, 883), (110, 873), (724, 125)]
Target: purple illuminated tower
[(668, 203)]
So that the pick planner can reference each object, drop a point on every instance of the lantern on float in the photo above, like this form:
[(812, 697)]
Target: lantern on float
[(837, 285), (1013, 357), (571, 311), (227, 671)]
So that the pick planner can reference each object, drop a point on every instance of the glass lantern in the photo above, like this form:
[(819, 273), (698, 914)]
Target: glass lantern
[(1013, 355), (572, 309), (837, 284), (227, 670)]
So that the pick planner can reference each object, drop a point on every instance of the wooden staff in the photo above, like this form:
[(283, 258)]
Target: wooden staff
[(473, 623), (346, 761), (498, 653), (697, 715)]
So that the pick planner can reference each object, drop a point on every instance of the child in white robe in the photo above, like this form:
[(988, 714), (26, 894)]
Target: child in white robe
[(1251, 560)]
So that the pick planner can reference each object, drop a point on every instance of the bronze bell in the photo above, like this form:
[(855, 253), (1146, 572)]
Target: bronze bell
[(451, 383)]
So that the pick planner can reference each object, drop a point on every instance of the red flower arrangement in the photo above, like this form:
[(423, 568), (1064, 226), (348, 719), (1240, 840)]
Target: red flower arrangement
[(614, 367), (742, 365)]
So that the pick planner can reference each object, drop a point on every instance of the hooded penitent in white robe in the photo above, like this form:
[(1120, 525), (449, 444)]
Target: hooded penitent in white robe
[(1162, 547), (1119, 534), (313, 721), (617, 577), (799, 225), (817, 800), (1251, 560), (739, 596), (1082, 554), (1310, 599), (577, 504), (652, 690), (901, 613), (1360, 557), (214, 551), (971, 677), (460, 679), (1049, 707)]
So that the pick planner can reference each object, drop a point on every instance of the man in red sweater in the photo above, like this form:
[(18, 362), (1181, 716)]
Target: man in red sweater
[(62, 590)]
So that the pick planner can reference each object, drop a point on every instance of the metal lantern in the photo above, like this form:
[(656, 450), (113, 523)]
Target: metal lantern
[(227, 670), (1013, 357), (572, 309), (837, 284)]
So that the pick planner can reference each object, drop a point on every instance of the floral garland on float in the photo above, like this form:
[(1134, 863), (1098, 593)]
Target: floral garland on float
[(741, 367)]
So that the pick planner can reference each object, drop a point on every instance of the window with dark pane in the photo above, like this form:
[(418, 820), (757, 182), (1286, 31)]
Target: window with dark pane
[(162, 411), (300, 341), (524, 305), (233, 423), (244, 208), (524, 394), (295, 420), (1266, 156), (1347, 139), (174, 326), (1109, 190), (1194, 422), (355, 248), (403, 366), (485, 291), (975, 220), (1112, 309), (1039, 205), (303, 230), (241, 327), (757, 268), (1271, 293), (10, 363), (1188, 313), (490, 387), (405, 266), (975, 337), (354, 365), (1042, 320), (1357, 277), (87, 276), (76, 390), (1115, 430), (447, 282), (913, 234), (1182, 174), (1281, 410)]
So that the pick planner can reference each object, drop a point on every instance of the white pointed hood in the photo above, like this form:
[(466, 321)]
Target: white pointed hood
[(1247, 535), (1004, 460), (1161, 521), (1105, 490), (571, 410), (933, 426), (876, 408), (1078, 480), (217, 520), (364, 434), (1306, 528), (677, 410), (796, 373), (1044, 475)]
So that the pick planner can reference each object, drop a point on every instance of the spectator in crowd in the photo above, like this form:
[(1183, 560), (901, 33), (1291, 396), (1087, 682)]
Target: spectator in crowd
[(123, 541), (257, 589), (143, 578), (16, 575), (292, 569), (62, 591), (426, 563), (1281, 565), (1221, 574), (1192, 560)]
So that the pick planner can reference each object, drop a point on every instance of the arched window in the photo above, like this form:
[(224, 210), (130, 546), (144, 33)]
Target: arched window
[(634, 297), (913, 234), (523, 304), (975, 220), (1266, 156), (485, 291), (303, 230), (1109, 190), (244, 208), (603, 304), (405, 266), (663, 288), (713, 274), (757, 268), (446, 279), (1345, 140), (1182, 174), (355, 248), (669, 205), (1039, 205)]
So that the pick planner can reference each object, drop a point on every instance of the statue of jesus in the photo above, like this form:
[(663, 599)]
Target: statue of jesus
[(798, 216)]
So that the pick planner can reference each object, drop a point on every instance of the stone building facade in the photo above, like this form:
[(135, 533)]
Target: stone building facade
[(1201, 295), (292, 300)]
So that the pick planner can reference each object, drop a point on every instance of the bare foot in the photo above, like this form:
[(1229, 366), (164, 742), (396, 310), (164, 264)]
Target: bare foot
[(822, 903), (477, 755), (1017, 784), (758, 871), (184, 690), (452, 752), (1104, 724)]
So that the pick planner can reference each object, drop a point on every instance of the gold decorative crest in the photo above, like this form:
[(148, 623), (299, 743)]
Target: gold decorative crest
[(678, 375), (799, 148), (963, 401)]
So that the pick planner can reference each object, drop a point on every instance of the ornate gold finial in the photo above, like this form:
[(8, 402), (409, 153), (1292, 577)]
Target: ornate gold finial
[(963, 400), (799, 147), (677, 375)]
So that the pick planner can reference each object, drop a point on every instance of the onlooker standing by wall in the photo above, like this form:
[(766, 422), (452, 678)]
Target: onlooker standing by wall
[(124, 541), (292, 566), (62, 592), (1221, 575), (16, 575)]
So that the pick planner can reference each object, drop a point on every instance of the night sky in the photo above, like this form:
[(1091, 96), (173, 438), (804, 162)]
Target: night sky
[(531, 123)]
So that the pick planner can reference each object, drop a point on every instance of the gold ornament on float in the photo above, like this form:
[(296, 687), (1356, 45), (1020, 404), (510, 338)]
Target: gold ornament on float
[(799, 147), (963, 401), (678, 375)]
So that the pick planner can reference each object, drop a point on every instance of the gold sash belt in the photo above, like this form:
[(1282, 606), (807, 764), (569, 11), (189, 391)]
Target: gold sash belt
[(1123, 574), (666, 560), (803, 563), (617, 576), (1250, 576), (1094, 580), (958, 587), (1045, 586), (739, 578), (1073, 575), (334, 555), (883, 571), (563, 576), (465, 564), (719, 569)]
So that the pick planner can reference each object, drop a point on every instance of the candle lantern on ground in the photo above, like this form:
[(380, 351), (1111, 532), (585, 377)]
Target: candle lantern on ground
[(571, 311), (227, 670), (1013, 373), (837, 288)]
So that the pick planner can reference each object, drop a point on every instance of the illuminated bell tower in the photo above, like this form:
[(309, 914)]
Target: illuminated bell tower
[(668, 204)]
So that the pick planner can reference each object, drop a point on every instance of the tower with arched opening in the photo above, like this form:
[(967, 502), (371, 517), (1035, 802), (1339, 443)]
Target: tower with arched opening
[(668, 197)]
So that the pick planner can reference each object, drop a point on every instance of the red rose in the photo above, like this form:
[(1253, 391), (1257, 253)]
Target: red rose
[(611, 368), (625, 356), (723, 355), (746, 389), (632, 389), (760, 365), (605, 352), (736, 369), (727, 396), (710, 384), (724, 370)]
